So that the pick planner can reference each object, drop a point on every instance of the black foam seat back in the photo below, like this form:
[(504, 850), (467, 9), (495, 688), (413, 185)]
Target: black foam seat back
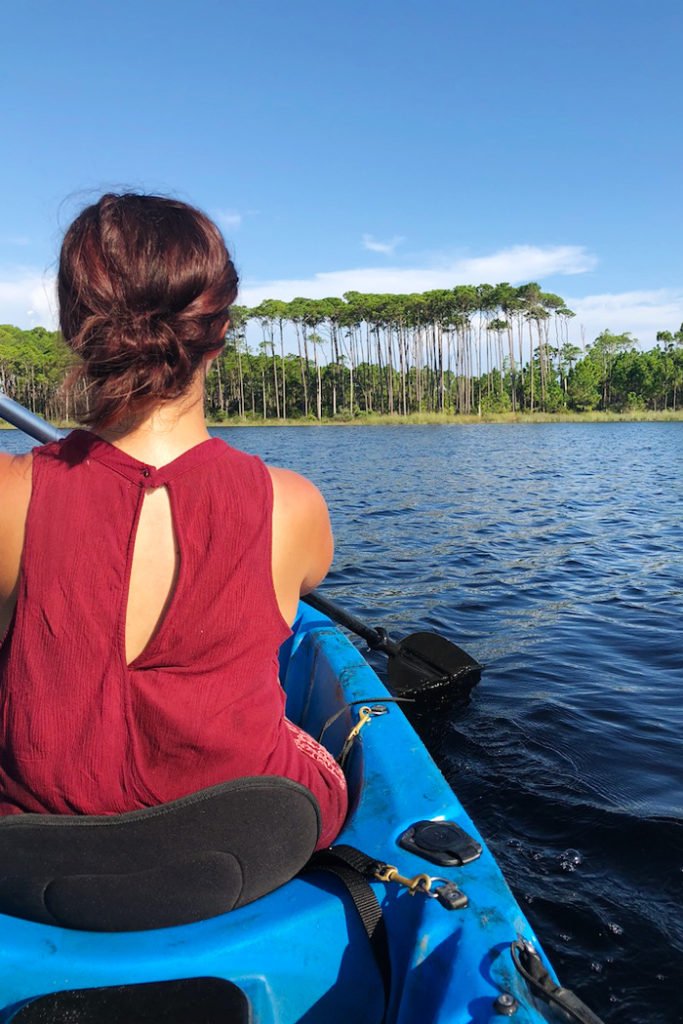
[(181, 1001), (183, 861)]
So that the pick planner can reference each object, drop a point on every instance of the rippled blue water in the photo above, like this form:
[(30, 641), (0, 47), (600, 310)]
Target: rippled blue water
[(553, 554)]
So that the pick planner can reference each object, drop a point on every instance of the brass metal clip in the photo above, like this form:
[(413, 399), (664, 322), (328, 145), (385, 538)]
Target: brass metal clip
[(418, 883), (364, 716)]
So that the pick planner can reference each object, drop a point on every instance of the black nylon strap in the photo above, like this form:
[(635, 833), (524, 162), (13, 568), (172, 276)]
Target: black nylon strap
[(352, 857), (353, 868)]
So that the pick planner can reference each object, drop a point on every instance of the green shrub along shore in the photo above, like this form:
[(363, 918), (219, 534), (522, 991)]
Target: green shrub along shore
[(439, 419), (448, 419), (491, 353)]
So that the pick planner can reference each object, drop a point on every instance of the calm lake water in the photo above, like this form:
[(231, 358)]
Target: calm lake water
[(553, 554)]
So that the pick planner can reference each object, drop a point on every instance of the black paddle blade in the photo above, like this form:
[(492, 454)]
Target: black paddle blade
[(430, 661)]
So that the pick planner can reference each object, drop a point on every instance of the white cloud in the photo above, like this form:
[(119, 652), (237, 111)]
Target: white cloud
[(387, 248), (28, 299), (517, 265), (524, 263), (228, 219), (643, 313)]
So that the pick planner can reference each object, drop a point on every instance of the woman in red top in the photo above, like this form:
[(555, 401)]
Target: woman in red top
[(149, 572)]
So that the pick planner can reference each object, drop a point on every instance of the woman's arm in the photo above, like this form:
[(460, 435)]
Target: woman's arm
[(303, 545), (15, 494)]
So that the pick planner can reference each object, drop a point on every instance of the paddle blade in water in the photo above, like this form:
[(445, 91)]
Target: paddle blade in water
[(428, 660)]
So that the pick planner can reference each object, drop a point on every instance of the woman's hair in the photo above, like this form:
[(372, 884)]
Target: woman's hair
[(145, 284)]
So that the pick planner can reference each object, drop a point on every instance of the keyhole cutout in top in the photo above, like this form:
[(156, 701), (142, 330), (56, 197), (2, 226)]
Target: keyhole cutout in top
[(154, 572)]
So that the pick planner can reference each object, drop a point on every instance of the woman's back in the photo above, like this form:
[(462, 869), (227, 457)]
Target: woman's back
[(201, 702), (140, 658)]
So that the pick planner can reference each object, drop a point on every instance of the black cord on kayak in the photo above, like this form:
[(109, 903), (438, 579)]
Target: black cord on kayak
[(366, 700), (530, 966)]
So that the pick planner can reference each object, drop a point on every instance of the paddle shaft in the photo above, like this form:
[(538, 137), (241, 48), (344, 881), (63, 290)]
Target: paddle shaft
[(27, 421), (374, 638), (418, 661)]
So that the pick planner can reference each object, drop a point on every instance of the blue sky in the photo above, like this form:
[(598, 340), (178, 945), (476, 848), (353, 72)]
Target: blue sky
[(377, 146)]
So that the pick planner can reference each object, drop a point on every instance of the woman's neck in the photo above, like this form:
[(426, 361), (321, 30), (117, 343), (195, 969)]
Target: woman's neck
[(163, 433)]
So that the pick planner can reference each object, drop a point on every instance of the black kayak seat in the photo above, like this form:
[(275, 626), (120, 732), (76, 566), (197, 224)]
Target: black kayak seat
[(179, 862), (181, 1001)]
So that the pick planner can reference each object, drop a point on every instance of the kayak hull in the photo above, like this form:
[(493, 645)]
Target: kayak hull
[(300, 953)]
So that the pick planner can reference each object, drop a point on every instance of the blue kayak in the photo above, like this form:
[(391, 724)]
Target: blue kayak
[(459, 947)]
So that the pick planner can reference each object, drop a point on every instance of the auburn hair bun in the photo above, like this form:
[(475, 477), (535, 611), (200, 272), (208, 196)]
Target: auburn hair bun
[(145, 285)]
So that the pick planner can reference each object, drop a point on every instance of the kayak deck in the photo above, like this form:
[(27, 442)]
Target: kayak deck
[(300, 953)]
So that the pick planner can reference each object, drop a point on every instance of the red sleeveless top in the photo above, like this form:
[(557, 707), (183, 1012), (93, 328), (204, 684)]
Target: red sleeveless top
[(82, 731)]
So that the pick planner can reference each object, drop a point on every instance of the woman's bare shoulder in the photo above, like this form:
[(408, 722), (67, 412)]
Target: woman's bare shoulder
[(296, 493), (302, 534)]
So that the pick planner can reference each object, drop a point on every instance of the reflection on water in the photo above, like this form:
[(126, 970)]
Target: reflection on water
[(552, 553)]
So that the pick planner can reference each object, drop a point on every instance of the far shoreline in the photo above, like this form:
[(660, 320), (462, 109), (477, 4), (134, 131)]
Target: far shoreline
[(438, 419), (447, 419)]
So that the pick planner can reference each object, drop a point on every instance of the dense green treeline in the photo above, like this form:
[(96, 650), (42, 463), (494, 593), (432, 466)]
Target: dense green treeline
[(467, 350), (33, 365)]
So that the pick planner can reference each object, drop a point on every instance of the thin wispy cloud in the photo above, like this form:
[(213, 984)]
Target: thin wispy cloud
[(228, 219), (388, 248), (20, 240), (517, 265)]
